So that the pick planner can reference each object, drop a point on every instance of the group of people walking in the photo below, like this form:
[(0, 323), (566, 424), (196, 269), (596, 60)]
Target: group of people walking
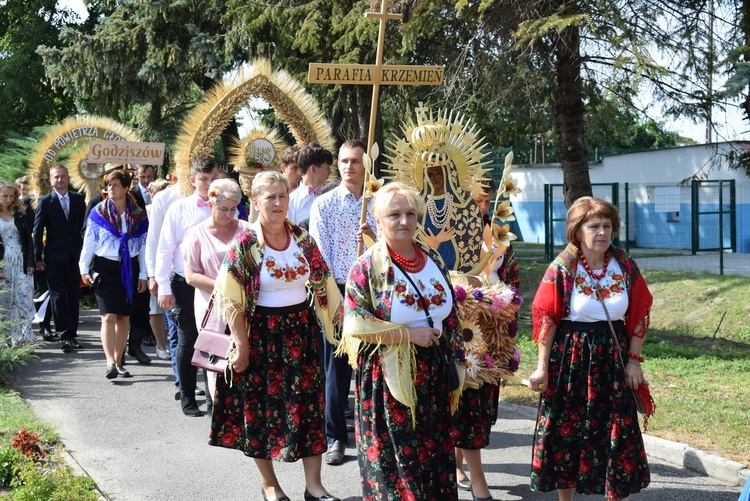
[(303, 311)]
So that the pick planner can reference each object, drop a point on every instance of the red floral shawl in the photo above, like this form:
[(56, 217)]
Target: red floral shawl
[(552, 300)]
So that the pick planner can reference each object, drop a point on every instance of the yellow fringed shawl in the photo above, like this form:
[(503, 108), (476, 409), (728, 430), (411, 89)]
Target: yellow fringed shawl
[(370, 291)]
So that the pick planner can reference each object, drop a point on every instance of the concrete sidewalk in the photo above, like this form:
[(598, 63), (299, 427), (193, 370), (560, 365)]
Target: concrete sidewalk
[(130, 436)]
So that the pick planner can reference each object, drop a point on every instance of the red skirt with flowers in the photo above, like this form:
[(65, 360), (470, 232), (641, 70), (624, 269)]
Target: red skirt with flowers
[(399, 461), (587, 434), (276, 408), (476, 414)]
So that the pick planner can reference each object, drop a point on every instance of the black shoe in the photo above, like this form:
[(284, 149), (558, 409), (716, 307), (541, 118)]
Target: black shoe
[(76, 345), (137, 353), (464, 485), (349, 427), (335, 454), (324, 497), (111, 371), (67, 346), (282, 498), (122, 371), (349, 413), (192, 410), (48, 335), (149, 341)]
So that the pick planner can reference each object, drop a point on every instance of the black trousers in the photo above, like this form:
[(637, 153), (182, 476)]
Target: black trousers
[(183, 315), (338, 380), (64, 282)]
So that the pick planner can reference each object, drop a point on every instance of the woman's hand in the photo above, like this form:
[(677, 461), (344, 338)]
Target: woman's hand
[(538, 380), (633, 375), (30, 270), (424, 336), (241, 358), (87, 279), (142, 285)]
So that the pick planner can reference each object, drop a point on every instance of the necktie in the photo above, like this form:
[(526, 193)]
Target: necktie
[(202, 203), (64, 203), (314, 191), (146, 197)]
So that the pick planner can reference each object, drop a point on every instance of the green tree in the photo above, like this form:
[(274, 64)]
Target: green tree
[(27, 100), (545, 60), (144, 63)]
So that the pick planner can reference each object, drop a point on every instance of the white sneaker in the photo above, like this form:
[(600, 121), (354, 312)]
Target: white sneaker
[(163, 354)]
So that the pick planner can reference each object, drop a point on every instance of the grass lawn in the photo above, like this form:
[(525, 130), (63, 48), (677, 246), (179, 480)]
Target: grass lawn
[(698, 376)]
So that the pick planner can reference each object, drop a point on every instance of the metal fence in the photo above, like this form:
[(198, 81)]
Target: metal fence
[(701, 226)]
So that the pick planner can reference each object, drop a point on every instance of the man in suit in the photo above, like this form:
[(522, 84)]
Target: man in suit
[(145, 175), (60, 214)]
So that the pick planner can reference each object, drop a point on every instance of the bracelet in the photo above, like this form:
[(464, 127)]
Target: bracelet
[(634, 363), (635, 357)]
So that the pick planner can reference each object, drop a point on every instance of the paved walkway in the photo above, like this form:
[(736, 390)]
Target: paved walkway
[(130, 436)]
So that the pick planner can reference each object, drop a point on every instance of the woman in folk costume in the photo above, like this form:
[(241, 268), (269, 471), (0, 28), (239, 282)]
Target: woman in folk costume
[(115, 242), (479, 406), (587, 433), (403, 405), (271, 405), (442, 158)]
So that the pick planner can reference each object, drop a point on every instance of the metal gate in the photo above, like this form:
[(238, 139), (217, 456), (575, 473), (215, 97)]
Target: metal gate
[(714, 217), (555, 212)]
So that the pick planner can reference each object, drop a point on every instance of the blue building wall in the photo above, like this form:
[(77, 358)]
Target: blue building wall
[(652, 230)]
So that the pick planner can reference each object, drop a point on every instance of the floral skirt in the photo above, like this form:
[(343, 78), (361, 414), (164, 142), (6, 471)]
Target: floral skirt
[(275, 409), (399, 461), (587, 433), (476, 414)]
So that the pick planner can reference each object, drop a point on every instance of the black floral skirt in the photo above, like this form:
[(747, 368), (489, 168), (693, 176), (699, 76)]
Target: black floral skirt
[(587, 433), (275, 409), (397, 460), (476, 414)]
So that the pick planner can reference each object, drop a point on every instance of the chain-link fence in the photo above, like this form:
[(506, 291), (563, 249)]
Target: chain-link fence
[(701, 226)]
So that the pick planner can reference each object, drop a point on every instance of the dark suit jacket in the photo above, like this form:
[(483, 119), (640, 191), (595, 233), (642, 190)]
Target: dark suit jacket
[(64, 236), (94, 201), (24, 233)]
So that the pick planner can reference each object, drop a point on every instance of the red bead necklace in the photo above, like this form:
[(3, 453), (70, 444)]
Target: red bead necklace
[(414, 265), (596, 276), (286, 245)]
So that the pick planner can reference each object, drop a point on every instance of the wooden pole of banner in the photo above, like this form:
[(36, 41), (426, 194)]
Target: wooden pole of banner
[(375, 75)]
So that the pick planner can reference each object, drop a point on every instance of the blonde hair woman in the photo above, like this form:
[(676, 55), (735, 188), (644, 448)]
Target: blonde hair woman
[(17, 257), (403, 405), (204, 249), (272, 406)]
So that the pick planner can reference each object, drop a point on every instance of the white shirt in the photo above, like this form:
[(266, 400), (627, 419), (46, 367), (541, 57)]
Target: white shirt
[(156, 212), (300, 203), (584, 304), (334, 222), (99, 242), (405, 309), (283, 276), (181, 216)]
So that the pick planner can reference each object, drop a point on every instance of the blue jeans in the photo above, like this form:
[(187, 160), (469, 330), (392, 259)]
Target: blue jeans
[(173, 341)]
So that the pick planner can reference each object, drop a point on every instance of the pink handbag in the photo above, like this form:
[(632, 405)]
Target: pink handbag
[(211, 347)]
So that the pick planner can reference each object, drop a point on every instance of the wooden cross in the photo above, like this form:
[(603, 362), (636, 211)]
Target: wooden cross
[(376, 75)]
